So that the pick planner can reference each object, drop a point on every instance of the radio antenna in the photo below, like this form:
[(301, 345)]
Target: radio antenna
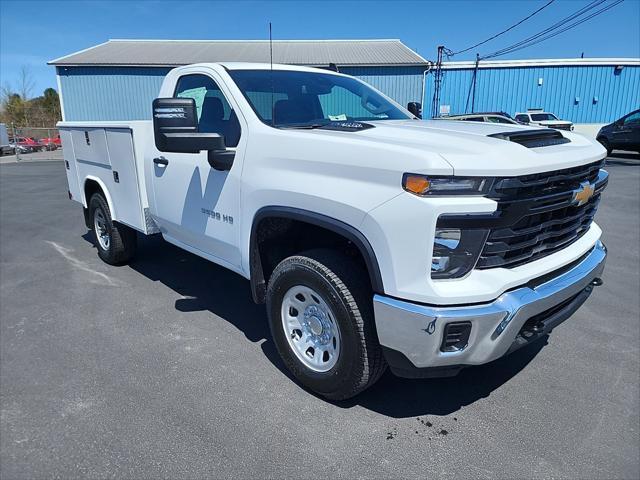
[(273, 120)]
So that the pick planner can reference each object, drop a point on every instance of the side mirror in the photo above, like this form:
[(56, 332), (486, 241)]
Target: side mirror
[(221, 159), (415, 108), (175, 127)]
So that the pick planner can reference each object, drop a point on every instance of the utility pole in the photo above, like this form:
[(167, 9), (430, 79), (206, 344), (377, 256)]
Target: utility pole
[(475, 79), (437, 81)]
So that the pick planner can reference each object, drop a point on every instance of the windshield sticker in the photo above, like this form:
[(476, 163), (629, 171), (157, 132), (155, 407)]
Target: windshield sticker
[(347, 126)]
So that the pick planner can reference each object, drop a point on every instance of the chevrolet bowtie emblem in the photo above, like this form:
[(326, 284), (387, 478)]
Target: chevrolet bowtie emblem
[(582, 194)]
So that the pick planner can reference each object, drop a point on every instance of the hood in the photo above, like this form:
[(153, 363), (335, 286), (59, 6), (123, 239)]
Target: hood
[(469, 149)]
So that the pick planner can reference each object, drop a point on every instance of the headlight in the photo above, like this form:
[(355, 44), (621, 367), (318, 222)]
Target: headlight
[(456, 251), (424, 185)]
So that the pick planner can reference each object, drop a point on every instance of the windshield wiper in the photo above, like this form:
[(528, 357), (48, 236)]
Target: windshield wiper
[(304, 126), (335, 125)]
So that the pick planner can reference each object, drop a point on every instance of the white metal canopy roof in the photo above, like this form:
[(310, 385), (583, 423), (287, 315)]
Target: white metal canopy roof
[(171, 53)]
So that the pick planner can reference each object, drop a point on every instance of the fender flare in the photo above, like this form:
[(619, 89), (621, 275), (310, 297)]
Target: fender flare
[(258, 282), (105, 191)]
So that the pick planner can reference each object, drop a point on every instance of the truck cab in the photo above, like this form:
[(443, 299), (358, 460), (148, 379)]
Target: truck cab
[(374, 238)]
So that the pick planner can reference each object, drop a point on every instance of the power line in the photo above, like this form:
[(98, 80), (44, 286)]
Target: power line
[(504, 31), (556, 28), (567, 27), (553, 27)]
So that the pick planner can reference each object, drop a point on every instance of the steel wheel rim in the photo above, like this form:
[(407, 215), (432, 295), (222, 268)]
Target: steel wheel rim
[(100, 227), (311, 328)]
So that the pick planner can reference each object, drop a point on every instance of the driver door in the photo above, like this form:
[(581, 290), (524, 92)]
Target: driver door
[(194, 205), (626, 135)]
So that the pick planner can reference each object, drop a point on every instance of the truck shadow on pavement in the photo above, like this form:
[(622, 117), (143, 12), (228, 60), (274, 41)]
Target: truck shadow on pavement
[(205, 286), (402, 398)]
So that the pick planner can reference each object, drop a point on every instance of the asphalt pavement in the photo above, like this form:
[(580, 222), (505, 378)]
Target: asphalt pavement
[(44, 155), (164, 369)]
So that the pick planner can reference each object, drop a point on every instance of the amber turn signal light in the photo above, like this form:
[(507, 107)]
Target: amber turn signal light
[(417, 184)]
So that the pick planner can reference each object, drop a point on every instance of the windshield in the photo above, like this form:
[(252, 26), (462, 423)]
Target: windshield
[(541, 117), (290, 99)]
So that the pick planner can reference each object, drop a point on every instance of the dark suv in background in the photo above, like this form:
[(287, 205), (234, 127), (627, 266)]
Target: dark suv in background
[(623, 134)]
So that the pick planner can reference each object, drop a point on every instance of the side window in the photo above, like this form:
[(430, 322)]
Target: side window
[(215, 115), (632, 119), (522, 118), (498, 120)]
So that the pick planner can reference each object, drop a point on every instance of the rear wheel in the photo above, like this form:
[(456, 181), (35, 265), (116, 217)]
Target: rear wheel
[(116, 243), (321, 319)]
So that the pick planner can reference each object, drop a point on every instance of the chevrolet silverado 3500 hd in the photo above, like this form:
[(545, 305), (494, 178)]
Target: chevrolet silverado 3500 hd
[(373, 237)]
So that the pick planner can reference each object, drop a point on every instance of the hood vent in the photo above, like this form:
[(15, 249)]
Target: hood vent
[(533, 138)]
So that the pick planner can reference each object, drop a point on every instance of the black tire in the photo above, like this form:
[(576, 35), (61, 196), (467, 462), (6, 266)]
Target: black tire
[(344, 286), (605, 143), (122, 239)]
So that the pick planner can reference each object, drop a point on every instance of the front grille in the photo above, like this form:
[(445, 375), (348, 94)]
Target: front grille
[(560, 127), (537, 216)]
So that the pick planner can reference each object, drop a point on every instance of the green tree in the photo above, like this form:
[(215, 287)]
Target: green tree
[(14, 108), (52, 104), (43, 111)]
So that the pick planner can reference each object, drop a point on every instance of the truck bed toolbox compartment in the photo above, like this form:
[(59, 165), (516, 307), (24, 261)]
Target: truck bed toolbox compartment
[(105, 155)]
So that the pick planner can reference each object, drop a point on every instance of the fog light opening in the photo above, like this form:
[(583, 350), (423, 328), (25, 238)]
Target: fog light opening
[(455, 337)]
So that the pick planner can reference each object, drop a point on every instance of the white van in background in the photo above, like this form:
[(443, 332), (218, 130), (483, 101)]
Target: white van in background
[(5, 147)]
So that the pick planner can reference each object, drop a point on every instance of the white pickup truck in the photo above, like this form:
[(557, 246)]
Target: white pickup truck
[(375, 238)]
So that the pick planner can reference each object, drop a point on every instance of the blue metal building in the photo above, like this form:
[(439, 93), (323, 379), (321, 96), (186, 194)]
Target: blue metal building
[(118, 80), (591, 91)]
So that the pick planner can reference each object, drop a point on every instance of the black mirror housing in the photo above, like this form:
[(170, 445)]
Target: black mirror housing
[(186, 142), (173, 115), (415, 108), (175, 127), (221, 159)]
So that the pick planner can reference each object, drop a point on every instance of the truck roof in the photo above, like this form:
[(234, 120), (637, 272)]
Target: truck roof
[(267, 66)]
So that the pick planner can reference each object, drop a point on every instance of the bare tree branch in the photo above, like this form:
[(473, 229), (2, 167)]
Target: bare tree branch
[(26, 82)]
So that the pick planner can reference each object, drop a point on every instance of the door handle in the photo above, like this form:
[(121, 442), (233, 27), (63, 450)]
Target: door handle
[(161, 161)]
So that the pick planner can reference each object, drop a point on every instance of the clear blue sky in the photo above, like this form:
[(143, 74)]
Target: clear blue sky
[(32, 32)]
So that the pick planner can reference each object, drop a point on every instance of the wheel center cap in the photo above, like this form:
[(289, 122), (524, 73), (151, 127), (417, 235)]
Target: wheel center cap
[(315, 325)]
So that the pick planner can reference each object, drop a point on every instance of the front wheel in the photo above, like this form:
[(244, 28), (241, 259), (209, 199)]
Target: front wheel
[(116, 243), (321, 319)]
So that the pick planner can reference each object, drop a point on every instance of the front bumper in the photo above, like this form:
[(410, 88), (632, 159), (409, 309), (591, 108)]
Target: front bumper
[(412, 334)]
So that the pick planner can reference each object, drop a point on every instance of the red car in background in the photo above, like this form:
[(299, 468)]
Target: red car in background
[(51, 143), (26, 144)]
